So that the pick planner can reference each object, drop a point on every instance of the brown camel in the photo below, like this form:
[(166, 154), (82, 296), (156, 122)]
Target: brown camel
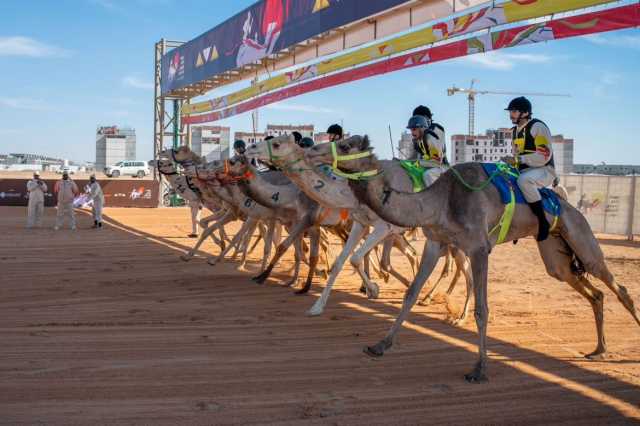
[(450, 213)]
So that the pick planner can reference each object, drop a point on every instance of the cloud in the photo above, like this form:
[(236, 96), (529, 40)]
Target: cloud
[(617, 40), (25, 46), (137, 83), (301, 108), (25, 104), (505, 61)]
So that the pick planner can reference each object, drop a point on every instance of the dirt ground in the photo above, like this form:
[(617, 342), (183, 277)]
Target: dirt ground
[(112, 327)]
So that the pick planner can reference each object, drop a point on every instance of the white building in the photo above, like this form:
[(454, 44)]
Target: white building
[(114, 144), (562, 154), (249, 137), (211, 142), (405, 146), (487, 148), (306, 130)]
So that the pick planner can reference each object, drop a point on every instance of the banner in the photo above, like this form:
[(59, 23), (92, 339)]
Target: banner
[(591, 23), (262, 29), (487, 17), (117, 193)]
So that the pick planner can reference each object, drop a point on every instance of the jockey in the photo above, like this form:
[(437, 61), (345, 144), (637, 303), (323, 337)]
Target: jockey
[(429, 148), (335, 132)]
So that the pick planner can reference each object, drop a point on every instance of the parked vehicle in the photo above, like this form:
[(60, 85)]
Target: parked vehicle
[(128, 168)]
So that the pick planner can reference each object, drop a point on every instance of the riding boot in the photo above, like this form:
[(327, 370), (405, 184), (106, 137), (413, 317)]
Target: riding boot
[(543, 225)]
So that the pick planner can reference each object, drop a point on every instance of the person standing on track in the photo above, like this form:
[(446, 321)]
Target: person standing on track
[(97, 196), (66, 190), (35, 210)]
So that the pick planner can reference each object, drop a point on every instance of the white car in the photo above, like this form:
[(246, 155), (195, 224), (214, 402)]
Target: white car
[(128, 168)]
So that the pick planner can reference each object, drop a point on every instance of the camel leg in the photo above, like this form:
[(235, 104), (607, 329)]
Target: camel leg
[(380, 232), (395, 240), (480, 268), (208, 231), (557, 260), (314, 242), (297, 232), (462, 267), (266, 254), (244, 241), (445, 272), (236, 240), (247, 242), (401, 243), (296, 264), (578, 235), (430, 256), (355, 235)]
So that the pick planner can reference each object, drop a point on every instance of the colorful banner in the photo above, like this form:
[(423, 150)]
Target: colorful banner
[(262, 29), (487, 17), (606, 20), (117, 192)]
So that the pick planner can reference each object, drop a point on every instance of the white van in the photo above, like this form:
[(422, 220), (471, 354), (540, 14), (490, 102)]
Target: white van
[(128, 168)]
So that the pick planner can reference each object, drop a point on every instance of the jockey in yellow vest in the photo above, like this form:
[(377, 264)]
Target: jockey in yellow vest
[(428, 144), (533, 157)]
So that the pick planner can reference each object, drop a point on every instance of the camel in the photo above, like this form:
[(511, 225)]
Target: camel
[(290, 202), (187, 190), (451, 213), (234, 209), (333, 192)]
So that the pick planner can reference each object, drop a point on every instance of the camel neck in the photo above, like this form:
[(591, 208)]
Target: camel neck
[(324, 189), (407, 210)]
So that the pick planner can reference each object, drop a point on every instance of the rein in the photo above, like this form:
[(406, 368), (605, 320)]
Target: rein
[(355, 175)]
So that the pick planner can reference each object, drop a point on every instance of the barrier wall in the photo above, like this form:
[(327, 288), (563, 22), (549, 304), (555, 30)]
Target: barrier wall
[(117, 193), (611, 204)]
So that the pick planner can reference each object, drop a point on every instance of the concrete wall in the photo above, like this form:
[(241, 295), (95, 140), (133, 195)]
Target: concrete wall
[(611, 204)]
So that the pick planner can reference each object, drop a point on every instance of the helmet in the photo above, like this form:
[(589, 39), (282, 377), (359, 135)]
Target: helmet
[(424, 111), (36, 173), (297, 136), (239, 145), (418, 122), (521, 104), (306, 142), (335, 129)]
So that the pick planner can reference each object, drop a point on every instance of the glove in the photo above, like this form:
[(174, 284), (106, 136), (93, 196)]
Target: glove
[(509, 160)]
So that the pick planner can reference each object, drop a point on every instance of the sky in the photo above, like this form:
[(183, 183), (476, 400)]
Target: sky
[(71, 65)]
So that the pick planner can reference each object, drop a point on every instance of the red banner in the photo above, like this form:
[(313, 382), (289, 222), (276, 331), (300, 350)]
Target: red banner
[(591, 23), (117, 193)]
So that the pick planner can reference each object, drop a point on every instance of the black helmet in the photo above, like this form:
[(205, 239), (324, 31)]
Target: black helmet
[(239, 145), (306, 142), (335, 129), (418, 122), (297, 136), (424, 111), (521, 104), (268, 138)]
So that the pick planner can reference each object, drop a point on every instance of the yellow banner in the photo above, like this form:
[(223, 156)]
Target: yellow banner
[(490, 16)]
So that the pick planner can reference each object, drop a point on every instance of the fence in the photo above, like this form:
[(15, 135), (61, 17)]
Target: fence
[(117, 193), (611, 204)]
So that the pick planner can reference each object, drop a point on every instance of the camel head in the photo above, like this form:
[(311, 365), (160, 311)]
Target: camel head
[(207, 171), (352, 157), (276, 151), (184, 155)]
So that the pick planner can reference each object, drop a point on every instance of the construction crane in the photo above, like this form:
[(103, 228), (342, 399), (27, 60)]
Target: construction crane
[(471, 96)]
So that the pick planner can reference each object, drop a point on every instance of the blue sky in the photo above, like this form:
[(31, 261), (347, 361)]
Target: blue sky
[(70, 65)]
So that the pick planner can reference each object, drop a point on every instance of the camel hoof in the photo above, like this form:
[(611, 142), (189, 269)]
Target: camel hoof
[(212, 262), (426, 301), (373, 292), (456, 322), (363, 289), (373, 351), (314, 311), (303, 290), (185, 257), (596, 356), (476, 376)]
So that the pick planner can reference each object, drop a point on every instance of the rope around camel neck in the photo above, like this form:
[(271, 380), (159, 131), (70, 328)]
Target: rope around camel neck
[(501, 169)]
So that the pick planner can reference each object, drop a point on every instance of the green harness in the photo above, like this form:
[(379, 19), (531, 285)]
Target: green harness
[(415, 172)]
